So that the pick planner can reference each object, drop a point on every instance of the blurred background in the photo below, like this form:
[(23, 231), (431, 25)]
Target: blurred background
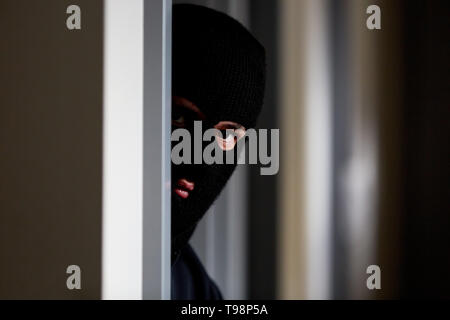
[(364, 158)]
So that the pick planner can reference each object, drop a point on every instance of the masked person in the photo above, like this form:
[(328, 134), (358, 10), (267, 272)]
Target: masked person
[(218, 78)]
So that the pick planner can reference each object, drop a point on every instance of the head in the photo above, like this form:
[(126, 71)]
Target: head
[(218, 78)]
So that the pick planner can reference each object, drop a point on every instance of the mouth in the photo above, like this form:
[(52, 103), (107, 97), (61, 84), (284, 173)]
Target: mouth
[(183, 188)]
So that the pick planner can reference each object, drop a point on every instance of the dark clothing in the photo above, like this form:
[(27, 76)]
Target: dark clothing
[(190, 280)]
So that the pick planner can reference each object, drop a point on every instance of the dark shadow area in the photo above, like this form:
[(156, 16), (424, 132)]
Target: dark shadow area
[(426, 263), (262, 223)]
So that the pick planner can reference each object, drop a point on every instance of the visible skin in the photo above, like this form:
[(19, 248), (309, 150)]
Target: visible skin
[(184, 113)]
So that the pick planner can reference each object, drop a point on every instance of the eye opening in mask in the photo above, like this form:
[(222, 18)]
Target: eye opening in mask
[(184, 112), (230, 133)]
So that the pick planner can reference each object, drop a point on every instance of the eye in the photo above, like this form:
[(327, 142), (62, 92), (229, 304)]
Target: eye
[(182, 117), (228, 135), (177, 118)]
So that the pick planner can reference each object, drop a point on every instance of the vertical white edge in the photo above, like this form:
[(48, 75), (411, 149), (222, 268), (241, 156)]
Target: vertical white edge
[(122, 237), (318, 152)]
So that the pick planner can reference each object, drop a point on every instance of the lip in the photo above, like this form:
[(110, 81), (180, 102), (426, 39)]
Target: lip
[(182, 193), (183, 188), (185, 184)]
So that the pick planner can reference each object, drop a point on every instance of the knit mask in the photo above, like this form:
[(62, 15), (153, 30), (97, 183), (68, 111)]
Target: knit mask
[(220, 67)]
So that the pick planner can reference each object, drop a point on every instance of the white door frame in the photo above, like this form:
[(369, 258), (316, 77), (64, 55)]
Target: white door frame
[(136, 154)]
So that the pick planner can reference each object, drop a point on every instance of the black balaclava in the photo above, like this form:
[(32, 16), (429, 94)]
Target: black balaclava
[(220, 67)]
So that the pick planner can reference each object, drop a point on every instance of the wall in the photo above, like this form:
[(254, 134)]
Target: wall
[(50, 148)]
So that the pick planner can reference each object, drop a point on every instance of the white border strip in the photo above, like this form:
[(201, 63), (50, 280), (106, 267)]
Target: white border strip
[(122, 233), (318, 152)]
